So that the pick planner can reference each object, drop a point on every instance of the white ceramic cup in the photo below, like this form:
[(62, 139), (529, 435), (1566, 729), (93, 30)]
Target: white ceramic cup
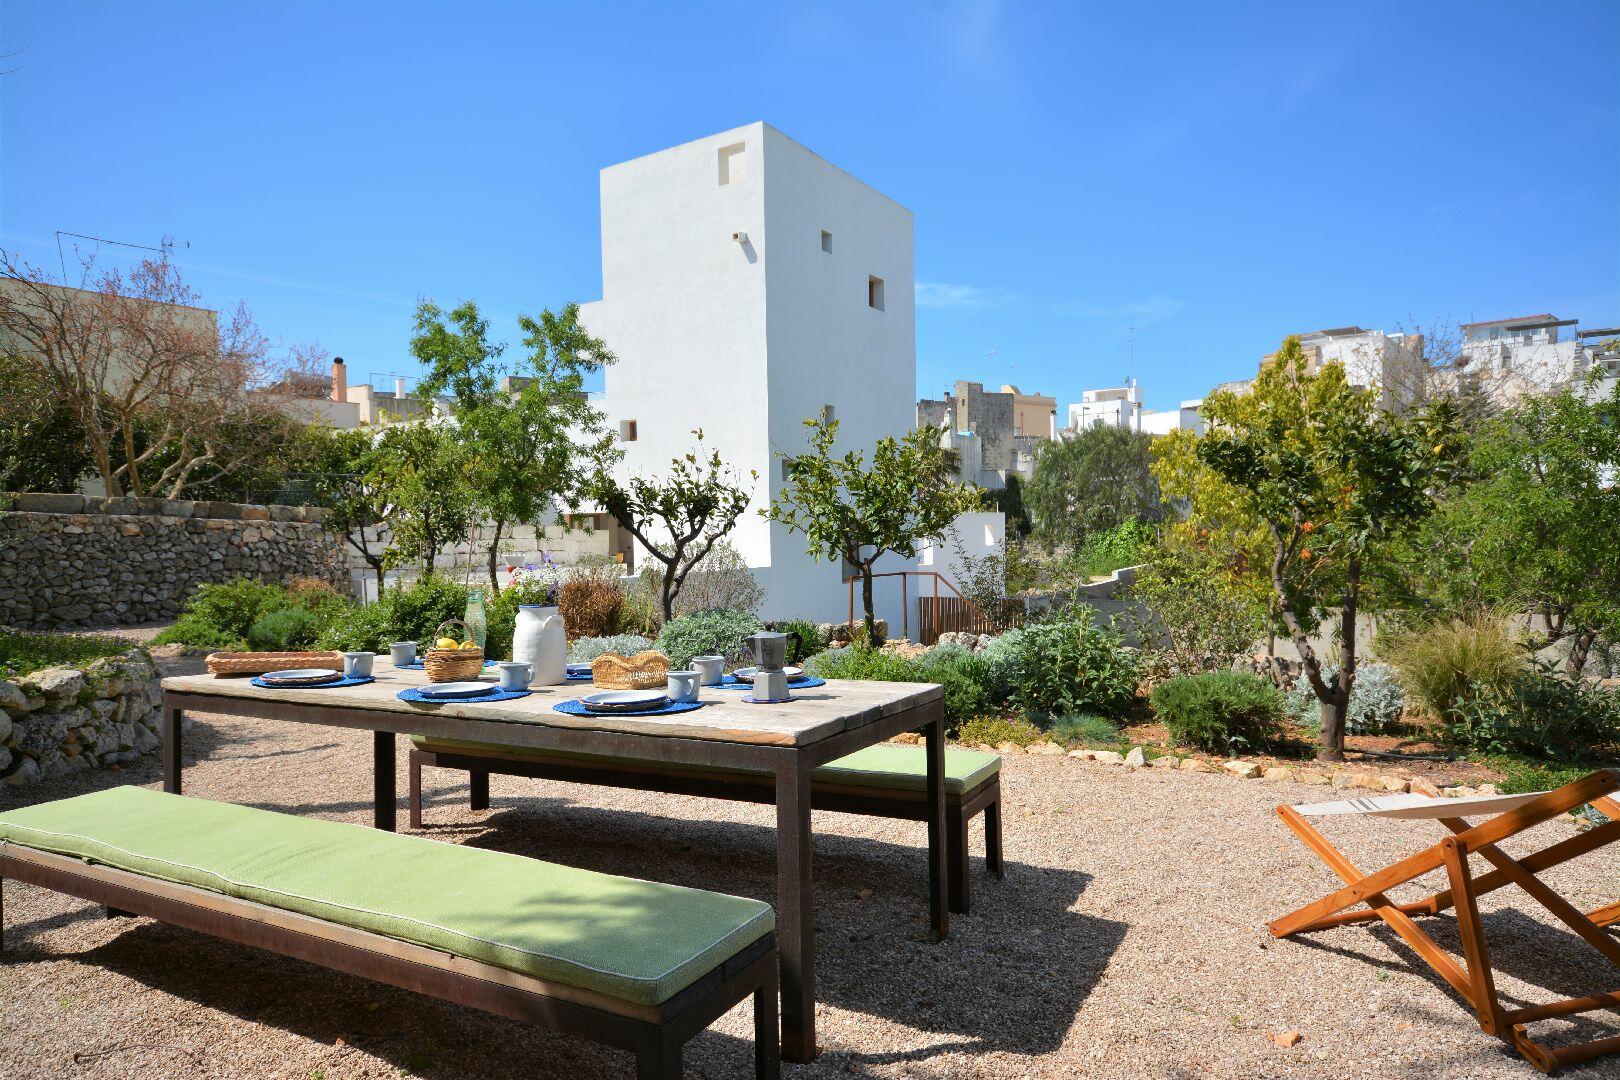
[(514, 674), (402, 653), (683, 686), (358, 664), (712, 669)]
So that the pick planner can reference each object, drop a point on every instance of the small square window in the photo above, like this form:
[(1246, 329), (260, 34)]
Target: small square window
[(733, 163), (874, 292), (828, 414), (787, 467), (627, 431), (826, 241)]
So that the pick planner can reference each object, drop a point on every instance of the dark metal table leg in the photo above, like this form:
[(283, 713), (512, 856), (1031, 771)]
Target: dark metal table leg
[(934, 735), (382, 780), (171, 749), (795, 914)]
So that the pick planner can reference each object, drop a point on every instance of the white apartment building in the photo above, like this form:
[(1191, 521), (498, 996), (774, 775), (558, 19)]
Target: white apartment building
[(1121, 406), (1391, 363), (748, 284), (1525, 355)]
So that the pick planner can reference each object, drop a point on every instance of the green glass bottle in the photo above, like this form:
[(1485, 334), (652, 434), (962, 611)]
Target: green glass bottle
[(475, 616)]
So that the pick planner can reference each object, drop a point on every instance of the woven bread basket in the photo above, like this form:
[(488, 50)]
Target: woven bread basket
[(453, 665), (647, 670), (257, 663)]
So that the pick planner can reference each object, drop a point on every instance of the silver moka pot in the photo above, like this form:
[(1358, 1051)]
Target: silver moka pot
[(769, 652)]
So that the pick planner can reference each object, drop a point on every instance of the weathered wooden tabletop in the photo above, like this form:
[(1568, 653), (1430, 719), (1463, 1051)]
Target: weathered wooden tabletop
[(812, 715)]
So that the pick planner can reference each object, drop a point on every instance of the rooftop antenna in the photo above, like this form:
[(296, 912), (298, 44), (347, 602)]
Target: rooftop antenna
[(1130, 363), (165, 246)]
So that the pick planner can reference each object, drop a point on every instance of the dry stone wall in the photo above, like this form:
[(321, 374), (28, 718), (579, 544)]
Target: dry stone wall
[(62, 720), (71, 561)]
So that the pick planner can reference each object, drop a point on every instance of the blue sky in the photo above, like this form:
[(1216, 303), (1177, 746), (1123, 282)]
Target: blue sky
[(1216, 175)]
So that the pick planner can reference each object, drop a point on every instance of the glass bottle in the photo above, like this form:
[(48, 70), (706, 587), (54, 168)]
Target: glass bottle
[(475, 616)]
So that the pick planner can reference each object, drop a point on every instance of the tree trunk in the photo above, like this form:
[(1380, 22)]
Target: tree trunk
[(669, 588), (494, 551), (1580, 650), (1333, 717), (872, 638)]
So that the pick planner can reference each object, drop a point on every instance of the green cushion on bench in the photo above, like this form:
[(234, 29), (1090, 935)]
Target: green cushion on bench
[(905, 768), (887, 765), (636, 941)]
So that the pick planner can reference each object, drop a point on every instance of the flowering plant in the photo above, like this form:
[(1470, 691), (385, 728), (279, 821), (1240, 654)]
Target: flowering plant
[(537, 583)]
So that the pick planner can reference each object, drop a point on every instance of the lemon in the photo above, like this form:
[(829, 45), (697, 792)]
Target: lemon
[(469, 645), (446, 643)]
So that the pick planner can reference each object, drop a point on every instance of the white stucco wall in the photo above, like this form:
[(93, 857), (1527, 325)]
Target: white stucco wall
[(747, 340)]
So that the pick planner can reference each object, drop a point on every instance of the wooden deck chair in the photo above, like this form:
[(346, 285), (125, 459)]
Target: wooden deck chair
[(1474, 980)]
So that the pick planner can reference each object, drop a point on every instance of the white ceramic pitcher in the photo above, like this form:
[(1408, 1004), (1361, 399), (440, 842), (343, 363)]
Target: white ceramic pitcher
[(539, 641)]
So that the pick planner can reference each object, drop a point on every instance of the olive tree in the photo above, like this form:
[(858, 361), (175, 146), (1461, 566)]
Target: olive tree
[(857, 512), (680, 516)]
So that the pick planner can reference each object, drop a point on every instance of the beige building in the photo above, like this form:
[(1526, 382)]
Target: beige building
[(1033, 414)]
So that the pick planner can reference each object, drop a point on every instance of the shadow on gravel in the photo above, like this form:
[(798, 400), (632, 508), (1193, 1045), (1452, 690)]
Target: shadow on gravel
[(1522, 948), (1011, 977)]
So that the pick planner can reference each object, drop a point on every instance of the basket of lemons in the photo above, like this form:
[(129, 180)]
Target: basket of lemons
[(455, 655)]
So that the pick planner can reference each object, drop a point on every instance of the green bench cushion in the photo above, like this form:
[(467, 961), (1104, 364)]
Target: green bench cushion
[(635, 941), (889, 766)]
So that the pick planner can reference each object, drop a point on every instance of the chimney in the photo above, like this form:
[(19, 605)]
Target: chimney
[(340, 380), (399, 387)]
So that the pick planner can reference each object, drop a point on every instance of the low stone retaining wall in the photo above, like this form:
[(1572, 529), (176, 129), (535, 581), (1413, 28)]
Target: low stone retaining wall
[(68, 561), (62, 720)]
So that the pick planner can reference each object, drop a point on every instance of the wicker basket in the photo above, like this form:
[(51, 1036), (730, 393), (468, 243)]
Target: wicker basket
[(257, 663), (453, 665), (647, 670)]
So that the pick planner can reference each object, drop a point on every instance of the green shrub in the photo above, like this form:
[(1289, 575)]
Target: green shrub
[(966, 679), (1126, 544), (1540, 714), (1096, 732), (1222, 711), (416, 612), (219, 614), (705, 633), (280, 631), (22, 652), (860, 662), (995, 730), (1376, 700), (804, 639), (1447, 661), (1521, 775), (1067, 665), (1001, 659), (584, 650), (367, 627)]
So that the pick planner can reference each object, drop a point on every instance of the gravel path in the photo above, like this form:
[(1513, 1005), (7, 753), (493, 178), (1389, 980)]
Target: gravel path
[(1127, 940)]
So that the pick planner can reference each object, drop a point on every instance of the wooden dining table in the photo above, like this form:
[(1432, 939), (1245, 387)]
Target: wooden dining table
[(787, 740)]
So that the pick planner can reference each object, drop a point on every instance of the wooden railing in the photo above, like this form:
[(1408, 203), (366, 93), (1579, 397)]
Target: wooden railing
[(938, 614)]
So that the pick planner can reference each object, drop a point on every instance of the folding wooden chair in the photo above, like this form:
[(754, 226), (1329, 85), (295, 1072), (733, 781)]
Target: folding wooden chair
[(1474, 980)]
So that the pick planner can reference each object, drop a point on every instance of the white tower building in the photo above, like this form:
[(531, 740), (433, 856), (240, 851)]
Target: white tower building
[(748, 284)]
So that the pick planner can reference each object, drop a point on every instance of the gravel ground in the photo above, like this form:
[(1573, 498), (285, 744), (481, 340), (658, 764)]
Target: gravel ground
[(1128, 939)]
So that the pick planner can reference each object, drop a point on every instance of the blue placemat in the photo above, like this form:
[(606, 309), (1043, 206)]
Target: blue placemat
[(573, 708), (806, 683), (347, 680), (583, 677), (419, 666), (495, 694)]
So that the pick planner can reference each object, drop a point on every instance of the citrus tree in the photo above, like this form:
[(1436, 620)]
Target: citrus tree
[(857, 512), (1330, 481), (533, 445)]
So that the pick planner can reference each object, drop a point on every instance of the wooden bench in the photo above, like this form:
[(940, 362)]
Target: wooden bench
[(632, 964), (888, 780)]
